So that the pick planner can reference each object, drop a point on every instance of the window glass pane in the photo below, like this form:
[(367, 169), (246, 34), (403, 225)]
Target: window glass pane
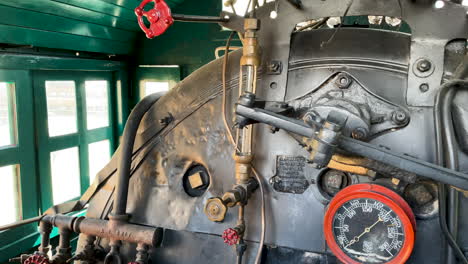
[(97, 104), (240, 6), (61, 107), (156, 87), (7, 114), (99, 156), (9, 195), (65, 174)]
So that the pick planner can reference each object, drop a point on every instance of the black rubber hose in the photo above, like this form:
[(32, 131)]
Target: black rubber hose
[(126, 151), (446, 156)]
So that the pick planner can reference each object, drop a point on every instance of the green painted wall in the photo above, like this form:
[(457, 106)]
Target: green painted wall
[(189, 45), (104, 26)]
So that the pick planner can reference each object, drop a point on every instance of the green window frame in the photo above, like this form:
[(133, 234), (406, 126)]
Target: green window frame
[(21, 70), (81, 139), (22, 155), (156, 73)]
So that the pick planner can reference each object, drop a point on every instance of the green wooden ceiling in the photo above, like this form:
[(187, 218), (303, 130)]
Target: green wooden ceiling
[(105, 26)]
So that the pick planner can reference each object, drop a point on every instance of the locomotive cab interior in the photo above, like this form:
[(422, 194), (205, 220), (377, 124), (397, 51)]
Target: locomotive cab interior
[(233, 131)]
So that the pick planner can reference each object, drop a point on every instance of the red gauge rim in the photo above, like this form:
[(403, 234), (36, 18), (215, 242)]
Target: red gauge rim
[(408, 245), (382, 190)]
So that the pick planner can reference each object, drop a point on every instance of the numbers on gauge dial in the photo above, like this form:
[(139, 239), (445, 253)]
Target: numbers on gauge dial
[(368, 231)]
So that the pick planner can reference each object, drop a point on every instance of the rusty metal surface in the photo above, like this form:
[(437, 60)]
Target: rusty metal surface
[(109, 229)]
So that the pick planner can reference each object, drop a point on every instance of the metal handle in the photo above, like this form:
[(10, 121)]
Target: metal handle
[(159, 16), (404, 162)]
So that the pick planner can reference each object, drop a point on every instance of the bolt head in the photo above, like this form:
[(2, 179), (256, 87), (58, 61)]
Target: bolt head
[(333, 181), (231, 198), (424, 87), (343, 81), (424, 65), (399, 117), (274, 66), (359, 133)]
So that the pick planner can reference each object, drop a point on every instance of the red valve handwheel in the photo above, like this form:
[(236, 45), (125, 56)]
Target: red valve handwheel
[(382, 190), (36, 259), (160, 17), (347, 215), (230, 236)]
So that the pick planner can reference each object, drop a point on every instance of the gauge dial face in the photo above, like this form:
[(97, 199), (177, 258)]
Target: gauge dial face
[(368, 231)]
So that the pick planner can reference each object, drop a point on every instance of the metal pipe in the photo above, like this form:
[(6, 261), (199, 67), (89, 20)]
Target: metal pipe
[(240, 248), (404, 162), (88, 252), (446, 150), (64, 250), (417, 166), (250, 79), (45, 229), (201, 19), (21, 223), (450, 156), (142, 254), (112, 230), (65, 237), (113, 257), (128, 140), (275, 120), (451, 162), (239, 259)]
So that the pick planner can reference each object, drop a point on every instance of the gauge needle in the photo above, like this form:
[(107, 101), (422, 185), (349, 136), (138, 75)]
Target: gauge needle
[(366, 230)]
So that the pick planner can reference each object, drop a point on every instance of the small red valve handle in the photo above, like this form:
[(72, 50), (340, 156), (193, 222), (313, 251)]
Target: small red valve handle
[(36, 259), (160, 17), (231, 236)]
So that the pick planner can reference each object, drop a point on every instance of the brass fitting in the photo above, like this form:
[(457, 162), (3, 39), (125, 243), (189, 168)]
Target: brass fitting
[(250, 51), (215, 209), (243, 168), (251, 24), (232, 197)]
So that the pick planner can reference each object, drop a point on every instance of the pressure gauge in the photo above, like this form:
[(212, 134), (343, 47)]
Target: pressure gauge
[(368, 223)]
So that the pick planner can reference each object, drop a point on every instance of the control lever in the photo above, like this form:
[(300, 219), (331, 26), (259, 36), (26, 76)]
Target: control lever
[(161, 18), (325, 137)]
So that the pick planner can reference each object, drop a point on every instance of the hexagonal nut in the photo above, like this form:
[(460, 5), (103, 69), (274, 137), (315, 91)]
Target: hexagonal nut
[(424, 65), (251, 24), (400, 117), (215, 209), (231, 198), (360, 133), (343, 81)]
